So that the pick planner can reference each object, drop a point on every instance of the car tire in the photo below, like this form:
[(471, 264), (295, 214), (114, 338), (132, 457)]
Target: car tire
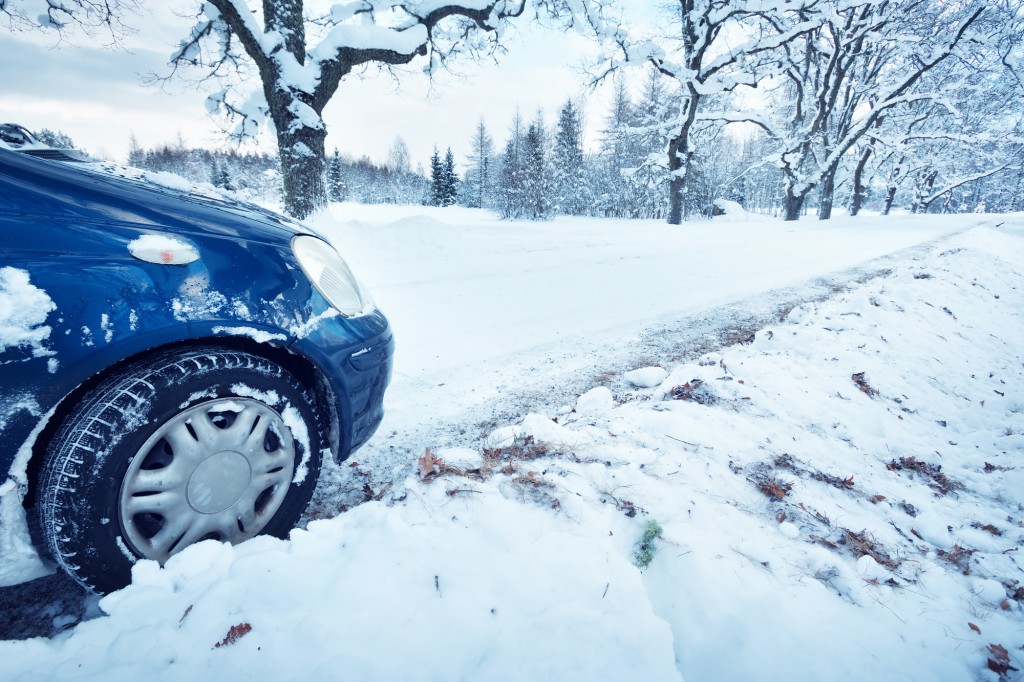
[(189, 445)]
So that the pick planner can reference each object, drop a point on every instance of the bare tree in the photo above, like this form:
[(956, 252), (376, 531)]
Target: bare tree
[(301, 58), (866, 59), (967, 132), (705, 56)]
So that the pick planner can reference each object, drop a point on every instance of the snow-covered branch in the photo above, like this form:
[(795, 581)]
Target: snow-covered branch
[(64, 17)]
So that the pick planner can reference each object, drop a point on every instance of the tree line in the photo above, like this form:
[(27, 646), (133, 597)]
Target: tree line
[(857, 102)]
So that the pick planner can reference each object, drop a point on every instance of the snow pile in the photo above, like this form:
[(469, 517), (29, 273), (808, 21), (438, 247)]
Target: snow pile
[(405, 592), (163, 249), (733, 210), (645, 377), (24, 308)]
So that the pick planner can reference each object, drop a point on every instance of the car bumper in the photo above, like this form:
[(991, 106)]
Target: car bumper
[(355, 357)]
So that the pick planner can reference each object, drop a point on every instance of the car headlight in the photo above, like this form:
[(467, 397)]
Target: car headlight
[(331, 276)]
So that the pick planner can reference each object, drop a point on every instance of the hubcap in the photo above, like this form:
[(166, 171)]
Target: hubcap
[(218, 470), (218, 482)]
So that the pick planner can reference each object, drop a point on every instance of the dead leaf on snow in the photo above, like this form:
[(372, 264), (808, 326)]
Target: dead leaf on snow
[(429, 465), (235, 633)]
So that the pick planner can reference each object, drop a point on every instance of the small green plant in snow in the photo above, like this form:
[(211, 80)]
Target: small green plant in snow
[(643, 553)]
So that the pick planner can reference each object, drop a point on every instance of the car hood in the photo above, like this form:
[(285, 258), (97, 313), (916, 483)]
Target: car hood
[(106, 194)]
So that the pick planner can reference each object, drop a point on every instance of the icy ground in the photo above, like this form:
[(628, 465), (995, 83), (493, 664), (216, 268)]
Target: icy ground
[(838, 496)]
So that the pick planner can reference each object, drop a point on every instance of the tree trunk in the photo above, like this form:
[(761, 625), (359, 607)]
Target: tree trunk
[(677, 173), (792, 205), (860, 192), (828, 192), (680, 157), (923, 189), (303, 164), (893, 185), (890, 196)]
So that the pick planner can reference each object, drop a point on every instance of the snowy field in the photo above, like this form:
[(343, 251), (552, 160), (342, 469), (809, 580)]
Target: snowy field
[(822, 449)]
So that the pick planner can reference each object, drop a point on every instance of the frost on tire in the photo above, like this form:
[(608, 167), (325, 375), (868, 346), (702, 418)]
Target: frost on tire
[(188, 446)]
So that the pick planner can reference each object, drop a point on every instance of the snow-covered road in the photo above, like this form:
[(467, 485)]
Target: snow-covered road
[(494, 317), (465, 290)]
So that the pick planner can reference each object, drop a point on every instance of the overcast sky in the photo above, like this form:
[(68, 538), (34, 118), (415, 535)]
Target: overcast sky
[(97, 95)]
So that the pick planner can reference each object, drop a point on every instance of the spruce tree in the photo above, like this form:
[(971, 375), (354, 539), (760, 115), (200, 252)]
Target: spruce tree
[(449, 180), (572, 191), (224, 178), (613, 197), (651, 118), (436, 180), (512, 190), (336, 189), (537, 171)]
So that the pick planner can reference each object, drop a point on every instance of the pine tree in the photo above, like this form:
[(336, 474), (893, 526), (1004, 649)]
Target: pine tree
[(650, 119), (537, 172), (219, 175), (436, 180), (512, 190), (224, 178), (618, 151), (336, 189), (450, 180), (572, 191), (54, 138), (479, 176)]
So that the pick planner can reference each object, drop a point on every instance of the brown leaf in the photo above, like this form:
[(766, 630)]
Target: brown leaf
[(875, 499), (863, 385), (429, 465), (974, 627), (999, 652), (1000, 661), (235, 633)]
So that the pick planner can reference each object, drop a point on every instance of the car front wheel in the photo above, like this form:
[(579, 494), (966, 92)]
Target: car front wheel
[(188, 446)]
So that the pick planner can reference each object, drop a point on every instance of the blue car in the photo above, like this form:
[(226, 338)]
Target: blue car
[(173, 366)]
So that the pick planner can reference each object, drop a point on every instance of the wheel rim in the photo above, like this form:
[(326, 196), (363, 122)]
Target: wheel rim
[(218, 470)]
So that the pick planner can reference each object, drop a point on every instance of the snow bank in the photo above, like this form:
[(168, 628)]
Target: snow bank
[(378, 593)]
